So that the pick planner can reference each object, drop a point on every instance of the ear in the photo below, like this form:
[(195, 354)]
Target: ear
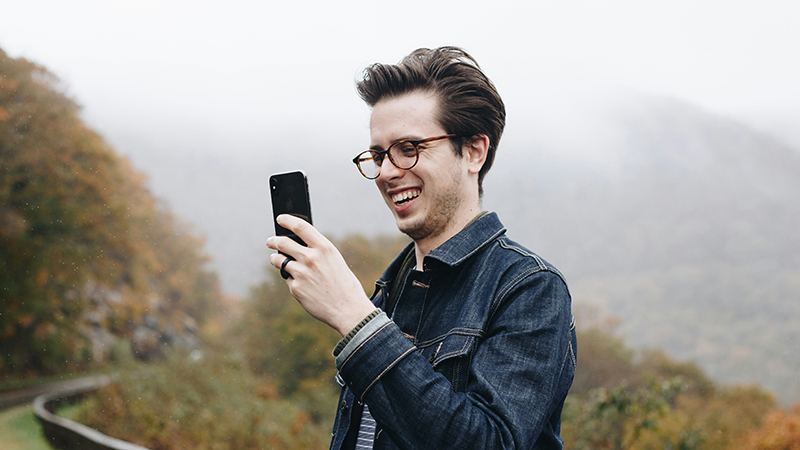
[(475, 152)]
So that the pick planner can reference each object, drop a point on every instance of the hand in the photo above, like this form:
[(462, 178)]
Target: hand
[(320, 278)]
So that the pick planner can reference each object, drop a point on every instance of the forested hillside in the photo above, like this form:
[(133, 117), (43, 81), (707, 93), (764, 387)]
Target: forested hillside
[(678, 221), (681, 223), (91, 265), (246, 392)]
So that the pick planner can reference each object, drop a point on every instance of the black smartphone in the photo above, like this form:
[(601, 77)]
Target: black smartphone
[(289, 192)]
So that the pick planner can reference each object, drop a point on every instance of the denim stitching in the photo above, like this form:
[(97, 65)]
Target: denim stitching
[(380, 375), (422, 312), (505, 243), (456, 373), (479, 247), (509, 287), (460, 351), (471, 357), (572, 353), (475, 332), (571, 349), (365, 342), (435, 353)]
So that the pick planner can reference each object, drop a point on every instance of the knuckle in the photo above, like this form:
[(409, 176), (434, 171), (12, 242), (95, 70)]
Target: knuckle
[(312, 259)]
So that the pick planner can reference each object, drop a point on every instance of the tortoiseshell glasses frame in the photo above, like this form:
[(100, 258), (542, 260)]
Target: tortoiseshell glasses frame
[(404, 154)]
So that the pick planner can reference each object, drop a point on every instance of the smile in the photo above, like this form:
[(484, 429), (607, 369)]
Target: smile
[(402, 197)]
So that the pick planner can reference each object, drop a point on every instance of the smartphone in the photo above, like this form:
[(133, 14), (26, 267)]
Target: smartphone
[(289, 192)]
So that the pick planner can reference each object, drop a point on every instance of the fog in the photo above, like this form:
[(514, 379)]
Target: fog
[(649, 147), (177, 84), (230, 68)]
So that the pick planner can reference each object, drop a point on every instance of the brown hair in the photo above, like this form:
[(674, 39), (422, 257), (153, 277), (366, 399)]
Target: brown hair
[(469, 104)]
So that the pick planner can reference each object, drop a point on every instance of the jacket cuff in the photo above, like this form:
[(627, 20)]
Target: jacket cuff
[(346, 339), (367, 329), (375, 349)]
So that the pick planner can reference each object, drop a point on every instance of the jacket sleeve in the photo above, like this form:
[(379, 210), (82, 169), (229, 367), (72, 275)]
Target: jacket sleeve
[(519, 373)]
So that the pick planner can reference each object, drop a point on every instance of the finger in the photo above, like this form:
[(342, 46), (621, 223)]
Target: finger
[(284, 273), (276, 259), (302, 229), (281, 262), (286, 246)]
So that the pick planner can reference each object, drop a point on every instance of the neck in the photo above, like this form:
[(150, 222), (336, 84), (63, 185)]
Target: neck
[(424, 246)]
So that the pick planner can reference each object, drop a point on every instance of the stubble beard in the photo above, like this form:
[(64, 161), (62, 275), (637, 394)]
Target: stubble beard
[(442, 211)]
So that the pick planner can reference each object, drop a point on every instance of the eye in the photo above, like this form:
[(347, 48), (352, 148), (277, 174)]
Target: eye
[(375, 156), (406, 148)]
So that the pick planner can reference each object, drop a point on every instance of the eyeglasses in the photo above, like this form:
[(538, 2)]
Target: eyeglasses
[(404, 154)]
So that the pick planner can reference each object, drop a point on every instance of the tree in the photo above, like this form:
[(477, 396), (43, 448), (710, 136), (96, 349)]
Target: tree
[(781, 431), (79, 233), (646, 400), (620, 418), (281, 340)]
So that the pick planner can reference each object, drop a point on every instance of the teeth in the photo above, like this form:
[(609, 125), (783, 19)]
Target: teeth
[(405, 195)]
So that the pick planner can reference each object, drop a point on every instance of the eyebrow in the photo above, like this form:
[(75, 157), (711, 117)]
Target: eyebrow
[(378, 148)]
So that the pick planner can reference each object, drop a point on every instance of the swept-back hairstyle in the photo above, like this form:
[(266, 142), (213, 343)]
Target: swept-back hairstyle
[(468, 102)]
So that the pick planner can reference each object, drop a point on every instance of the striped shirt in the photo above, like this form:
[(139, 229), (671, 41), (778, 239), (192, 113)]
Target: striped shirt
[(366, 432)]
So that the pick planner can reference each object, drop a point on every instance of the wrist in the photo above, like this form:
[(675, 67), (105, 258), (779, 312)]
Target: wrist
[(355, 316), (349, 336)]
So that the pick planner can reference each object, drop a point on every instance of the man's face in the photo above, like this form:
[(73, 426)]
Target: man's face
[(427, 199)]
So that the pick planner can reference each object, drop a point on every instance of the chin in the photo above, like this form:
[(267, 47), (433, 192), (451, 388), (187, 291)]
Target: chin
[(415, 229), (408, 227)]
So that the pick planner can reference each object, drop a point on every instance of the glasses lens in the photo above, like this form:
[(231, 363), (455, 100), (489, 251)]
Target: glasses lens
[(403, 154), (369, 164)]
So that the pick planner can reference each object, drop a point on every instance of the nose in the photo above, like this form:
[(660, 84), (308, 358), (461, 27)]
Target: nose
[(389, 171)]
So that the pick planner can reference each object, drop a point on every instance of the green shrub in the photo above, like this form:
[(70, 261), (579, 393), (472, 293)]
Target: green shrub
[(209, 403)]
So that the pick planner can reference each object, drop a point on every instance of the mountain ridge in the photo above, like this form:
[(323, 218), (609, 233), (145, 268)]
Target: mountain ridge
[(677, 220)]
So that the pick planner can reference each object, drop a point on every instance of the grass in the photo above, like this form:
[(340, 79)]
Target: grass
[(20, 430)]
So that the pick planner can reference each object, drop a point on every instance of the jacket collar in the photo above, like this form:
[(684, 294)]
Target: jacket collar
[(466, 243)]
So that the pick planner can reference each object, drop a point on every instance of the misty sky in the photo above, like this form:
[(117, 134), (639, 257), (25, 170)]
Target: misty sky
[(264, 82), (229, 67)]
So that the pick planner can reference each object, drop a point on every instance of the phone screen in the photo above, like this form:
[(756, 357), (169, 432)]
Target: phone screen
[(289, 193)]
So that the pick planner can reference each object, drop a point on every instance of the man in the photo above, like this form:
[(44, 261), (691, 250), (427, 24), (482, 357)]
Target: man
[(468, 341)]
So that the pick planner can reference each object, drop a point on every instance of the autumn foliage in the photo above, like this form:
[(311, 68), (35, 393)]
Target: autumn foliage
[(628, 400), (86, 252), (781, 431), (271, 385), (274, 325), (266, 383), (87, 255)]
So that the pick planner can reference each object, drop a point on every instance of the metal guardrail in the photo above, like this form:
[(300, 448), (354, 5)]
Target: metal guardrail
[(65, 434)]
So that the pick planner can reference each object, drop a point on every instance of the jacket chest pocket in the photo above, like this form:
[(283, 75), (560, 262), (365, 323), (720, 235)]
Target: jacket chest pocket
[(451, 356)]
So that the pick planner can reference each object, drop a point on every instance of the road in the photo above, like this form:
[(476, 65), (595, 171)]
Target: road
[(15, 397)]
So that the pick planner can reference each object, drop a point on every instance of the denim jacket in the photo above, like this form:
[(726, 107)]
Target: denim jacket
[(479, 353)]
